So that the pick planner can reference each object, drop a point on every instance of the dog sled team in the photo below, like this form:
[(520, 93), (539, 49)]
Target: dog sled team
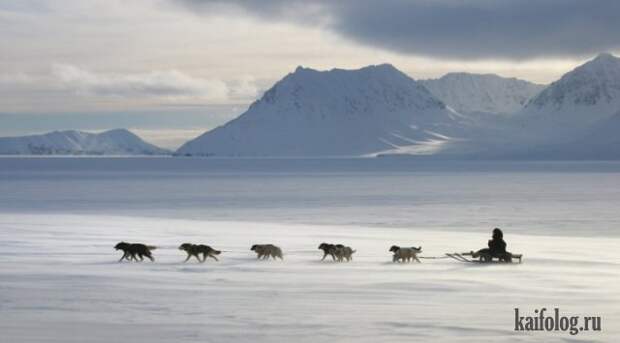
[(495, 251)]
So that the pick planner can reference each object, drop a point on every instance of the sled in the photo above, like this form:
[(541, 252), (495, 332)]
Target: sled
[(474, 257)]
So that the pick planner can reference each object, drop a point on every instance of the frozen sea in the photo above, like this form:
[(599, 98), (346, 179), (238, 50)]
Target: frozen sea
[(60, 217), (571, 198)]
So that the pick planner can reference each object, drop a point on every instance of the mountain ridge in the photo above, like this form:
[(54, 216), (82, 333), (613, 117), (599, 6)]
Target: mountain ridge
[(482, 93), (336, 112), (74, 142), (378, 110), (581, 99), (586, 84)]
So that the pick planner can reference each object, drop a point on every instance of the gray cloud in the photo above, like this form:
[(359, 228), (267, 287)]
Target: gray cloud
[(170, 84), (508, 29)]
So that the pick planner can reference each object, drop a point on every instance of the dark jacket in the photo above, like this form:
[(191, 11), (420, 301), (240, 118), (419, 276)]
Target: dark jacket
[(497, 246)]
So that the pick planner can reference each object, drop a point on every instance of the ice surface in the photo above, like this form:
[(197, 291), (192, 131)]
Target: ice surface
[(575, 198), (60, 282), (60, 218)]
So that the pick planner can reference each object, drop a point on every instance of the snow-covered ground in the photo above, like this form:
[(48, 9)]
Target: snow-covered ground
[(60, 280)]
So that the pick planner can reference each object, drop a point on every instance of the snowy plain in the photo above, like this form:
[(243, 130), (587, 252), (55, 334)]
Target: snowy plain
[(60, 280)]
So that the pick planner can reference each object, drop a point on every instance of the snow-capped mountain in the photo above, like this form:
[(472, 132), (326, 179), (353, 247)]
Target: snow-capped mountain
[(576, 117), (378, 109), (335, 113), (597, 82), (569, 108), (488, 93), (112, 142)]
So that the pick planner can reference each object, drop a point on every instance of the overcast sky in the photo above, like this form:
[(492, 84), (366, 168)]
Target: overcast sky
[(183, 66)]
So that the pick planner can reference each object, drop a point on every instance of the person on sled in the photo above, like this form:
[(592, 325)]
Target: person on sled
[(497, 248)]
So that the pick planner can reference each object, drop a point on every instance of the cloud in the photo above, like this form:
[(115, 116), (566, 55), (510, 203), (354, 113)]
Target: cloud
[(25, 6), (14, 79), (167, 84), (244, 88), (450, 29)]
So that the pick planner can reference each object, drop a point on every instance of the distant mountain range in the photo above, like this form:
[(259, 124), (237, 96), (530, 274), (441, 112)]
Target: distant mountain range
[(378, 110), (112, 142)]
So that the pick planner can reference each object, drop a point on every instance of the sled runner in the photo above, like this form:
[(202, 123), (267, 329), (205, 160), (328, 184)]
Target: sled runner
[(475, 257)]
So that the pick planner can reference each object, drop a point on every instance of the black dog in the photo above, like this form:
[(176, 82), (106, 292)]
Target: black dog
[(130, 250), (197, 249), (329, 249)]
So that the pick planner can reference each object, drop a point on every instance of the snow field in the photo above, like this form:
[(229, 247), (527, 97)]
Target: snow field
[(60, 282)]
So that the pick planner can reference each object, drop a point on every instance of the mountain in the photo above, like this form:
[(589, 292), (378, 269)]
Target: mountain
[(572, 106), (112, 142), (576, 117), (597, 82), (379, 110), (482, 93), (336, 113)]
